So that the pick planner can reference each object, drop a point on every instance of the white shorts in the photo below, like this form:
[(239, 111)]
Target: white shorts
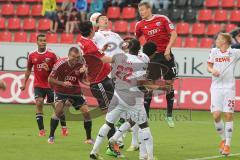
[(222, 100), (118, 108)]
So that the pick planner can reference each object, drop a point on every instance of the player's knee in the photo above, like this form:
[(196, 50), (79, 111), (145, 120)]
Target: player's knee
[(144, 125), (228, 117), (170, 94), (111, 125), (39, 102), (217, 116)]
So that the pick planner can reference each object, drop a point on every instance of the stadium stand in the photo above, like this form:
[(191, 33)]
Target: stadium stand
[(197, 21)]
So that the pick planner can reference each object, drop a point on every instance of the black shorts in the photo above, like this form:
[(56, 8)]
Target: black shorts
[(103, 92), (160, 67), (43, 92), (77, 101)]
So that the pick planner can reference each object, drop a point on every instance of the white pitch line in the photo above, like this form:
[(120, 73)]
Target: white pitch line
[(214, 157)]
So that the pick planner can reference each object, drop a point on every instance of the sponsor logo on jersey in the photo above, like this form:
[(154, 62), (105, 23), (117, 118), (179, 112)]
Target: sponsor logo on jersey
[(152, 32), (70, 78), (222, 59), (40, 66)]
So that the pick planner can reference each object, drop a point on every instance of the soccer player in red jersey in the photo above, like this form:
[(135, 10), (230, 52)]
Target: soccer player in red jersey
[(102, 87), (64, 79), (42, 60), (160, 30)]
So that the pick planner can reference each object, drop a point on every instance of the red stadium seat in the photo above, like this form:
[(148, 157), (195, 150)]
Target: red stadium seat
[(120, 26), (235, 16), (132, 27), (2, 23), (211, 3), (66, 38), (32, 1), (7, 9), (230, 27), (220, 15), (44, 24), (113, 12), (52, 38), (228, 3), (183, 28), (178, 42), (22, 10), (238, 4), (198, 29), (213, 29), (20, 37), (5, 36), (110, 25), (29, 24), (129, 13), (205, 15), (14, 23), (33, 37), (206, 43), (78, 38), (36, 10), (191, 42)]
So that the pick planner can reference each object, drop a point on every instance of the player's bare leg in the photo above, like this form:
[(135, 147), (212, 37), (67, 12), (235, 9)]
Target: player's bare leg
[(87, 124), (228, 132), (170, 101), (59, 105), (63, 122), (39, 116), (219, 125)]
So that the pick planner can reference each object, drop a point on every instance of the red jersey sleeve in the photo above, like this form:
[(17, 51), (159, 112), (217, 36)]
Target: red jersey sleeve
[(138, 32), (168, 24), (29, 62)]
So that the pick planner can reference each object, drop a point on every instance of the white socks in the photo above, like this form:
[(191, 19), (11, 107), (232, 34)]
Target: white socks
[(135, 129), (142, 146), (228, 132), (101, 135), (123, 128), (220, 129), (148, 140)]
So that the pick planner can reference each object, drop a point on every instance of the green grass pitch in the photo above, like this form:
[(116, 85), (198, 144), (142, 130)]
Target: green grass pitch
[(193, 137)]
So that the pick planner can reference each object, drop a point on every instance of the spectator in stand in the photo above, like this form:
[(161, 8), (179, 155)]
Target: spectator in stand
[(59, 23), (49, 9), (120, 3), (81, 6), (66, 7), (73, 22), (158, 4), (236, 38), (96, 6)]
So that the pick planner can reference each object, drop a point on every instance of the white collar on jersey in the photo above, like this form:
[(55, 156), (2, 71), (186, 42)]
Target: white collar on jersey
[(153, 16)]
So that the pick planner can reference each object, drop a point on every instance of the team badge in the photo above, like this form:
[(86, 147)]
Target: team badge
[(35, 59), (145, 27), (47, 59), (158, 24), (171, 26)]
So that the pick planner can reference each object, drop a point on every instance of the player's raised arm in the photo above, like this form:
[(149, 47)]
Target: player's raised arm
[(107, 59)]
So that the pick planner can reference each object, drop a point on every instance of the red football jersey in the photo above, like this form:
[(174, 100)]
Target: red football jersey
[(89, 48), (62, 71), (157, 29), (36, 60)]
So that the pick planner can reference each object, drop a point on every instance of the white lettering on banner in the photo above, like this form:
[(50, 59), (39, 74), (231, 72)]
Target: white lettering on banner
[(15, 84), (195, 96), (183, 95)]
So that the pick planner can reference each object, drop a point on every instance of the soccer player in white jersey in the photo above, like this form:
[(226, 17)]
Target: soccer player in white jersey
[(221, 64), (128, 99), (110, 42)]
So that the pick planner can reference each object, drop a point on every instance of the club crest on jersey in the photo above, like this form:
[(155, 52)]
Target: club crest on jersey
[(158, 24), (145, 27), (47, 59), (35, 59)]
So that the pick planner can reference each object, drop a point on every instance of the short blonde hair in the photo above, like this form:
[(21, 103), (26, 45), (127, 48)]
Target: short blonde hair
[(227, 37), (145, 3)]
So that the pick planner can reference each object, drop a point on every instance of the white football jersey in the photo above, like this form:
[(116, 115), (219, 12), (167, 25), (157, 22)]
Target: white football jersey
[(127, 69), (224, 63), (143, 57), (113, 40)]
